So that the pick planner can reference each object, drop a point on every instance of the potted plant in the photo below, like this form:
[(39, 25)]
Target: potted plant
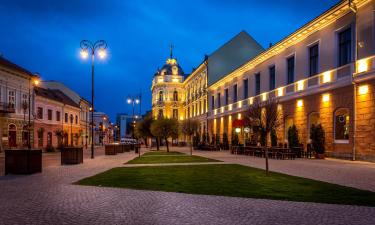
[(317, 136)]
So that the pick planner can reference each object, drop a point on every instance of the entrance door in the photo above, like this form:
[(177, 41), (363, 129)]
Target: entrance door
[(12, 136)]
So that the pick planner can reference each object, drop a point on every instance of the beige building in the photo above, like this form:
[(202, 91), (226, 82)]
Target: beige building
[(322, 73), (15, 85)]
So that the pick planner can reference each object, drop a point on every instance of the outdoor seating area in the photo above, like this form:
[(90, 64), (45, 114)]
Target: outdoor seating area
[(277, 152)]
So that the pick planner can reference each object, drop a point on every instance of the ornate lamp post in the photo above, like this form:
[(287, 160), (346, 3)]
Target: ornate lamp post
[(89, 48)]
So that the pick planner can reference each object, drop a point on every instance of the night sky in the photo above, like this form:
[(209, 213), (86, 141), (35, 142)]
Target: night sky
[(44, 37)]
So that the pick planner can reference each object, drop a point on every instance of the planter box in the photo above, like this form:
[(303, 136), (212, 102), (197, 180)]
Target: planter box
[(71, 155), (110, 150), (119, 148), (23, 161)]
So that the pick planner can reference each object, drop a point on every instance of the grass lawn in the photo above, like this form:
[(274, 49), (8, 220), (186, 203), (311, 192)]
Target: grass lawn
[(229, 180), (168, 157)]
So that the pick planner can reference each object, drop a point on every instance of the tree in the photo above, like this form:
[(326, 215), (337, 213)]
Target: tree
[(293, 139), (317, 136), (165, 128), (143, 129), (266, 116), (189, 127)]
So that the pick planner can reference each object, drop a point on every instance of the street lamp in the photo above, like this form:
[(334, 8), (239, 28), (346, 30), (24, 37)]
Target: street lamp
[(133, 100), (87, 48), (34, 82)]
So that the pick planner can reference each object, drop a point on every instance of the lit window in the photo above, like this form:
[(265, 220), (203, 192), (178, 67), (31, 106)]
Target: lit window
[(341, 125)]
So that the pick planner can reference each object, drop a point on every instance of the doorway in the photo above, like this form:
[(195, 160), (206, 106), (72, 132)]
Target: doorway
[(12, 136)]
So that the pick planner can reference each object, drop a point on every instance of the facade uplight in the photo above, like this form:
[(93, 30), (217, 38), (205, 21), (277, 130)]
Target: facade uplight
[(280, 92), (362, 66), (325, 98), (362, 90), (327, 77), (300, 85), (300, 103), (264, 96)]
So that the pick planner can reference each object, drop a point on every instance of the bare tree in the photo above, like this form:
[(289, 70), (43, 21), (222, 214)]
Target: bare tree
[(266, 116), (189, 127)]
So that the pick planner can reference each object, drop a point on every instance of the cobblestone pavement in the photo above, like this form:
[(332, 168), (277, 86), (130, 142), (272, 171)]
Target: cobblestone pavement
[(348, 173), (51, 198)]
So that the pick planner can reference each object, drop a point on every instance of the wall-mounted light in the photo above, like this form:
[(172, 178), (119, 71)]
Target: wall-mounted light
[(264, 96), (299, 103), (222, 109), (325, 98), (215, 111), (239, 104), (280, 92), (251, 100), (239, 116), (300, 85), (362, 66), (327, 77), (230, 107), (237, 130), (362, 90)]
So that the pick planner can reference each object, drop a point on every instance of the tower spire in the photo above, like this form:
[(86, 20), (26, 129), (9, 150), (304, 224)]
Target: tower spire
[(171, 51)]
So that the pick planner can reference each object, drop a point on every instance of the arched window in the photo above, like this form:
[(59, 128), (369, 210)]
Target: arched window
[(314, 119), (341, 125), (175, 113), (49, 139), (175, 96), (160, 96)]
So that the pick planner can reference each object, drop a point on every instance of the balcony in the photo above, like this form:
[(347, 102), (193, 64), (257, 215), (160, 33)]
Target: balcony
[(7, 107)]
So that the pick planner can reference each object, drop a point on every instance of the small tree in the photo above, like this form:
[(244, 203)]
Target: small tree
[(266, 116), (188, 128), (217, 138), (293, 139), (317, 136), (165, 128), (235, 141), (143, 129)]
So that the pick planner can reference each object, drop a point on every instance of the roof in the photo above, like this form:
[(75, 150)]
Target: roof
[(8, 64), (55, 95)]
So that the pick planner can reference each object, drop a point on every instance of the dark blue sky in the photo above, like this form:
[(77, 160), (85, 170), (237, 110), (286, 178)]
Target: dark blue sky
[(43, 36)]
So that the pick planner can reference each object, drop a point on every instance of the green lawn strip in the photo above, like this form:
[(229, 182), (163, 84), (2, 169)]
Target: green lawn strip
[(162, 153), (169, 159), (230, 180)]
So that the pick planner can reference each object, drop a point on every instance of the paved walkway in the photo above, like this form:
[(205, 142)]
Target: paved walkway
[(348, 173), (51, 198)]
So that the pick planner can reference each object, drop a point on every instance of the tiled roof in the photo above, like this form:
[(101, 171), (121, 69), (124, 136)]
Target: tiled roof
[(56, 95), (8, 64)]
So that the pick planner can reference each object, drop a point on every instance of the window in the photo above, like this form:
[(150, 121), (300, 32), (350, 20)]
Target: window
[(49, 139), (245, 88), (175, 96), (341, 125), (218, 100), (235, 93), (11, 99), (290, 71), (226, 94), (58, 116), (76, 119), (160, 96), (314, 59), (175, 114), (345, 45), (212, 102), (25, 103), (66, 117), (257, 83), (71, 118), (49, 114), (272, 78), (40, 113)]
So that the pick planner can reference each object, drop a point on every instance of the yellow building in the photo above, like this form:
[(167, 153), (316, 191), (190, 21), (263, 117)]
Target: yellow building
[(168, 94)]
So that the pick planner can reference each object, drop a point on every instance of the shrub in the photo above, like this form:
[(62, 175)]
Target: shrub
[(235, 140), (317, 136), (293, 139), (225, 141)]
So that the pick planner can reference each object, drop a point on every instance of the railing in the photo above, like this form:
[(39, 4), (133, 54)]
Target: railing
[(301, 86), (7, 107)]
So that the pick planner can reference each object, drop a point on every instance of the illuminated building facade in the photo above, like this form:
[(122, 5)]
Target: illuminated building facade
[(322, 73)]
